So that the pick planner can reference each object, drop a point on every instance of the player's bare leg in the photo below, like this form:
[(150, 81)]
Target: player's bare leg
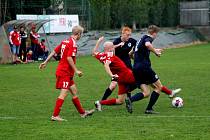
[(121, 99), (169, 92), (14, 58), (58, 105), (83, 113)]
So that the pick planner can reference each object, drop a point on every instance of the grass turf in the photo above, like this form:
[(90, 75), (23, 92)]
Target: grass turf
[(27, 98)]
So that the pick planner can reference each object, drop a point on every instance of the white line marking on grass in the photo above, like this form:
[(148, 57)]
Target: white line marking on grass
[(110, 116), (8, 118), (153, 116), (156, 116)]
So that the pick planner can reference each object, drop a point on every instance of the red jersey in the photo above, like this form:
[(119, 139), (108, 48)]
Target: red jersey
[(117, 66), (43, 47), (67, 48), (14, 38), (34, 37)]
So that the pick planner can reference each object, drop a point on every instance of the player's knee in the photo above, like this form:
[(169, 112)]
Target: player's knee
[(146, 94), (74, 94), (120, 101), (158, 89), (74, 91), (62, 96)]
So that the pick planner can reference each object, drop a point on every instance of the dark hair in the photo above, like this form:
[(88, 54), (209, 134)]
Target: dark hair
[(14, 27), (42, 40), (22, 27)]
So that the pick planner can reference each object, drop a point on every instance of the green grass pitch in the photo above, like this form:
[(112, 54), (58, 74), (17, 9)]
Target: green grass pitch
[(27, 98)]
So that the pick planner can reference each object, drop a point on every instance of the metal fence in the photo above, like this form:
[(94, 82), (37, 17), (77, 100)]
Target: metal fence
[(196, 13)]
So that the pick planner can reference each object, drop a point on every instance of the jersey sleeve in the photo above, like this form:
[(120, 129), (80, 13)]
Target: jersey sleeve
[(116, 41), (58, 49), (103, 58), (148, 39), (71, 49), (133, 41), (97, 56)]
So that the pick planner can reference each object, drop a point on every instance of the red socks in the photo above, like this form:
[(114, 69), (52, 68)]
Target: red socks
[(57, 109), (166, 90), (108, 102), (78, 105)]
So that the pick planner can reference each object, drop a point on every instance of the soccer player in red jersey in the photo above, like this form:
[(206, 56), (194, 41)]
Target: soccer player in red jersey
[(117, 70), (123, 53), (65, 73), (15, 41)]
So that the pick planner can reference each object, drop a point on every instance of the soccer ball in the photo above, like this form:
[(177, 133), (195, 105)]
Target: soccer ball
[(177, 102)]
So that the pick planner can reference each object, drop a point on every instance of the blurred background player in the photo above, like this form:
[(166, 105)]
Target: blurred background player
[(15, 41), (43, 50), (123, 53), (23, 52), (29, 56), (34, 42), (116, 69), (144, 74), (65, 73)]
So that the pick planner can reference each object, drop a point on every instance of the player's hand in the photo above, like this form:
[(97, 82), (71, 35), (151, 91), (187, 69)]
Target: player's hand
[(121, 44), (79, 73), (115, 77), (101, 39), (42, 65), (158, 52)]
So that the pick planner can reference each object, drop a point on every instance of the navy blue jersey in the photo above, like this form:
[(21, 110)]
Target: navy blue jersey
[(123, 52), (141, 54)]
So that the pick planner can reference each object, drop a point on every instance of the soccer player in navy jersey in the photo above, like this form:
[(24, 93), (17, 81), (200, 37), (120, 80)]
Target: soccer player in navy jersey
[(123, 53), (144, 74)]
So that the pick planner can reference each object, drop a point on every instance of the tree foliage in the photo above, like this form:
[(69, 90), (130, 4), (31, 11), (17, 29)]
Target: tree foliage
[(136, 13), (9, 8)]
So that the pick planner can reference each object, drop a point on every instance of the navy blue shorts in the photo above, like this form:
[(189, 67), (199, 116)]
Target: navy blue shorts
[(145, 76)]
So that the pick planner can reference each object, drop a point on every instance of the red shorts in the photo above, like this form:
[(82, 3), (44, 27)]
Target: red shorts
[(64, 82), (124, 83)]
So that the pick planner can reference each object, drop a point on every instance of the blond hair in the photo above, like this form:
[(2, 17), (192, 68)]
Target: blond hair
[(77, 30), (107, 45), (153, 29)]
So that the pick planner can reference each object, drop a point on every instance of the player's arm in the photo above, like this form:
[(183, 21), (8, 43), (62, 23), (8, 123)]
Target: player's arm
[(19, 38), (131, 53), (73, 66), (95, 49), (25, 36), (10, 38), (119, 45), (44, 64), (34, 35), (150, 47), (108, 71)]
